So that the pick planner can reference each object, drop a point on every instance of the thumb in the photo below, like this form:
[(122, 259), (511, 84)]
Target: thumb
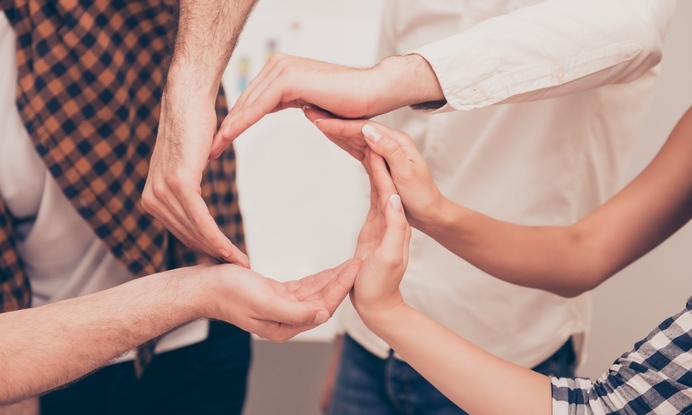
[(390, 145), (396, 234), (296, 313)]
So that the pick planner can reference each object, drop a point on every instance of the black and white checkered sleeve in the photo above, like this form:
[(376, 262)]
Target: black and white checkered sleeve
[(654, 378)]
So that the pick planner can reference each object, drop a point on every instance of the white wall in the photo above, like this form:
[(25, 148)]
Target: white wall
[(303, 199), (285, 378)]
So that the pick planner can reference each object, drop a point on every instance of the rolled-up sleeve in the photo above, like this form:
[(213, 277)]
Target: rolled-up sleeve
[(553, 48)]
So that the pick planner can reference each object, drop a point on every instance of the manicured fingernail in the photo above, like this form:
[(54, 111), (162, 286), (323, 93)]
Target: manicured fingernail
[(224, 253), (318, 120), (395, 201), (321, 317), (371, 133)]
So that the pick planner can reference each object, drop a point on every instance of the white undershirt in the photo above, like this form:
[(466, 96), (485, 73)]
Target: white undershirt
[(61, 254)]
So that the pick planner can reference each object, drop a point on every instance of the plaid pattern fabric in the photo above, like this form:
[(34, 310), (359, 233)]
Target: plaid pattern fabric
[(14, 291), (91, 75), (654, 378)]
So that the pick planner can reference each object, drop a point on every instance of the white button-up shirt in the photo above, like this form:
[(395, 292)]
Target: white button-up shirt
[(574, 80)]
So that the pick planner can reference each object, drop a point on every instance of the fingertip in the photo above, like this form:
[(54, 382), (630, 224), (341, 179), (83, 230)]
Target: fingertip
[(244, 261), (235, 256), (395, 202), (321, 317), (214, 154), (371, 133)]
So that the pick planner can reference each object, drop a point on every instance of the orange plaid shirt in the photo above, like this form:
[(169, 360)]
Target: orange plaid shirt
[(91, 75)]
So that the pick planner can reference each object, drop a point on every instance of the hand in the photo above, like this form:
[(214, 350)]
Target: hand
[(292, 82), (173, 191), (382, 245), (419, 193), (273, 310)]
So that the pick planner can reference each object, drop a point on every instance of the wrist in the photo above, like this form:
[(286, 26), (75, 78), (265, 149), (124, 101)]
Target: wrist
[(381, 319), (196, 292), (434, 214), (450, 223), (229, 292), (408, 80), (187, 84)]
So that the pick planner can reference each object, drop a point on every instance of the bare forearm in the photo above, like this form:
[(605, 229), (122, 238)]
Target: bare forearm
[(45, 347), (208, 31), (548, 258), (573, 259), (472, 378)]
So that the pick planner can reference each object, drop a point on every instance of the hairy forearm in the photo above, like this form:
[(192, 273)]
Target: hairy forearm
[(208, 31), (45, 347), (472, 378)]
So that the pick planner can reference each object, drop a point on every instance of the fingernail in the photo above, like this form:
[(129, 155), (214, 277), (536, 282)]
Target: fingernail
[(371, 133), (224, 253), (395, 201), (318, 120), (307, 107), (321, 317)]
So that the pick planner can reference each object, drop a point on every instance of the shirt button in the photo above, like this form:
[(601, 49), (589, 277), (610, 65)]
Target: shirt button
[(477, 97), (435, 146), (560, 74)]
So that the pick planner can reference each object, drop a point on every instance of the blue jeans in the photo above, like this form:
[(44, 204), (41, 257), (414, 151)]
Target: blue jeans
[(204, 378), (368, 385)]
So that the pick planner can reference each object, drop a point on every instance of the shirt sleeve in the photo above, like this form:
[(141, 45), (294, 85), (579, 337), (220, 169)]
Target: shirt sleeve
[(551, 49), (654, 378)]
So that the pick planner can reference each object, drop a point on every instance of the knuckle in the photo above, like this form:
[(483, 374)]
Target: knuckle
[(282, 62), (275, 58), (282, 339), (389, 145), (277, 337), (389, 260), (158, 190), (401, 224), (173, 182), (243, 120), (147, 200)]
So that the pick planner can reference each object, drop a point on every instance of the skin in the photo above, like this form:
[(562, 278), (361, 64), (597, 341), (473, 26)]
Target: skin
[(81, 334), (291, 82), (207, 34), (187, 136), (440, 355), (565, 260)]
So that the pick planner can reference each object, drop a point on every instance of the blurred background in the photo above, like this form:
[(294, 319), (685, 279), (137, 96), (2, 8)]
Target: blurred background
[(304, 200)]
